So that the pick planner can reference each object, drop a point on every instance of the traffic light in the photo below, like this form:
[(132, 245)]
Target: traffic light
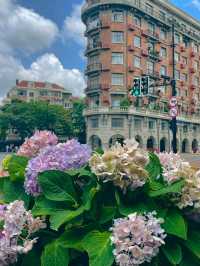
[(145, 85), (136, 89)]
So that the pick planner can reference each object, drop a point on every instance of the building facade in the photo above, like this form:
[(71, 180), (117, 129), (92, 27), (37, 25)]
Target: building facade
[(39, 91), (130, 38)]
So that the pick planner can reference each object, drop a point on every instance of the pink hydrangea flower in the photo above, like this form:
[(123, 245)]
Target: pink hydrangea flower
[(137, 239), (36, 143)]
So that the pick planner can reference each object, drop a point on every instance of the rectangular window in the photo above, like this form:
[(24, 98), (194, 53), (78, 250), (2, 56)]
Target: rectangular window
[(94, 123), (196, 81), (162, 15), (196, 65), (184, 77), (163, 125), (150, 67), (117, 79), (163, 52), (137, 41), (117, 16), (163, 34), (151, 124), (177, 74), (195, 47), (163, 70), (177, 38), (149, 9), (93, 82), (137, 123), (137, 21), (117, 122), (177, 57), (151, 28), (117, 58), (31, 94), (21, 93), (93, 59), (185, 60), (137, 61), (117, 37)]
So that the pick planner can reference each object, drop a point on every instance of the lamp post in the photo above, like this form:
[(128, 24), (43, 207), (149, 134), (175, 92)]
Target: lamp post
[(173, 85)]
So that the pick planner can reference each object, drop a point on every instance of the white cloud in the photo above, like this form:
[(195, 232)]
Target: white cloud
[(196, 4), (49, 68), (74, 28), (23, 29)]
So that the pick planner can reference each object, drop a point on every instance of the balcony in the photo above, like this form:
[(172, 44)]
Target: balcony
[(192, 70), (92, 47), (93, 89), (91, 68), (144, 53), (131, 48), (93, 26), (151, 34), (153, 74), (154, 55)]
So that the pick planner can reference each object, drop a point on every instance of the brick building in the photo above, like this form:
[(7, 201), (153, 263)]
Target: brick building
[(39, 91), (128, 39)]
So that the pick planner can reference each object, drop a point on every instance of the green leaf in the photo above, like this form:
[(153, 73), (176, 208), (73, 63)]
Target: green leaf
[(57, 186), (14, 191), (175, 224), (55, 255), (44, 206), (31, 259), (61, 217), (193, 243), (107, 214), (16, 168), (173, 253), (154, 167), (99, 248), (165, 189)]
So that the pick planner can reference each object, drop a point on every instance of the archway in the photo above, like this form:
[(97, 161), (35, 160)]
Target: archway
[(163, 145), (185, 146), (139, 140), (195, 146), (95, 142), (116, 139), (151, 143)]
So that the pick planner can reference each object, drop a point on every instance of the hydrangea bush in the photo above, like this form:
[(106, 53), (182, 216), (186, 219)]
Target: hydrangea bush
[(62, 205)]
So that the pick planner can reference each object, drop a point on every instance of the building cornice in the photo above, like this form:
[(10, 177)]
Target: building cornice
[(168, 6)]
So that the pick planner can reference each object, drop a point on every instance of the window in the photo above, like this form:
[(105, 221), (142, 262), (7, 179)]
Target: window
[(164, 125), (43, 93), (93, 60), (177, 74), (195, 47), (94, 123), (162, 15), (137, 41), (163, 52), (93, 82), (163, 34), (116, 100), (137, 61), (21, 93), (94, 101), (185, 60), (117, 122), (163, 70), (151, 124), (137, 123), (177, 38), (150, 67), (151, 27), (31, 94), (137, 21), (196, 81), (117, 58), (118, 16), (184, 77), (185, 129), (177, 57), (117, 37), (117, 79), (196, 65), (149, 9)]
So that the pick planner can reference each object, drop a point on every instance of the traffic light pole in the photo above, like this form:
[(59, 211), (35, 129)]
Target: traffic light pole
[(173, 84)]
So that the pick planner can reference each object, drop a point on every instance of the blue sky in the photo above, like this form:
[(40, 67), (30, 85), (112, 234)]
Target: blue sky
[(43, 40)]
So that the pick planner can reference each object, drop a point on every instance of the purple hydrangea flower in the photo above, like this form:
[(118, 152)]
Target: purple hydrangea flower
[(65, 156)]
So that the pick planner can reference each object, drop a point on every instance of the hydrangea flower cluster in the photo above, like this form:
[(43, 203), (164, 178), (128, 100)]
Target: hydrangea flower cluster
[(174, 168), (15, 236), (63, 156), (38, 141), (137, 238), (123, 165)]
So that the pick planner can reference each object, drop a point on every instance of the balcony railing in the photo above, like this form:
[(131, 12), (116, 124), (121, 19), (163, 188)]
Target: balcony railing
[(95, 67), (155, 55), (92, 47)]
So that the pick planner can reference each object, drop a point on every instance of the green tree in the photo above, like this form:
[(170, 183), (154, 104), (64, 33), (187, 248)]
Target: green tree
[(25, 118), (78, 121)]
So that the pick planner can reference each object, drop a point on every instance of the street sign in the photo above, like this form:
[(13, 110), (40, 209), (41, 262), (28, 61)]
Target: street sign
[(173, 102), (173, 112)]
